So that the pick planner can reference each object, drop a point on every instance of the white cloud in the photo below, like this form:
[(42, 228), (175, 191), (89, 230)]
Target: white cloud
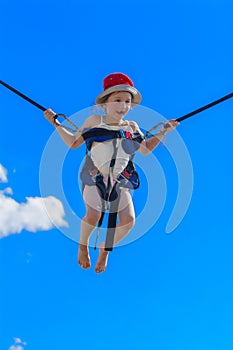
[(36, 214), (18, 344), (7, 190), (3, 174), (19, 341), (16, 347)]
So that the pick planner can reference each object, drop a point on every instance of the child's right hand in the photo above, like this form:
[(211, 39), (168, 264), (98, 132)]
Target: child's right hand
[(49, 115)]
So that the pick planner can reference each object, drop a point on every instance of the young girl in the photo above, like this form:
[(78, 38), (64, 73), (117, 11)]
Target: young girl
[(118, 97)]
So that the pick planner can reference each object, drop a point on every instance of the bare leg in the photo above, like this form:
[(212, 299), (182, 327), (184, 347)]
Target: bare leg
[(87, 226), (126, 222), (101, 263), (83, 257)]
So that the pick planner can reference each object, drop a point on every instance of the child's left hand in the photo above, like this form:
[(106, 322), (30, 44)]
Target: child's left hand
[(170, 125)]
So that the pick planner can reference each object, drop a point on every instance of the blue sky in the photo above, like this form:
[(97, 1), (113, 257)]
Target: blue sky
[(163, 291)]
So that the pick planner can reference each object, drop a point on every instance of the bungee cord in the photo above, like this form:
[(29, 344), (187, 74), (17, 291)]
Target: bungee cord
[(190, 114), (203, 108), (75, 128)]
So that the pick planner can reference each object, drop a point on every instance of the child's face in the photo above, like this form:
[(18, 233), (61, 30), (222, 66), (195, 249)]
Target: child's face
[(118, 104)]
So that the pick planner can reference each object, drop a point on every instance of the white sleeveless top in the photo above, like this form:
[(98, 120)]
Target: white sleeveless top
[(102, 152)]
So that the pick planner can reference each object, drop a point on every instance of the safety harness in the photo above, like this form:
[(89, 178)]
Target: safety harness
[(128, 178)]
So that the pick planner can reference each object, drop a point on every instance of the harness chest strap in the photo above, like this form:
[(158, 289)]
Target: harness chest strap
[(102, 135)]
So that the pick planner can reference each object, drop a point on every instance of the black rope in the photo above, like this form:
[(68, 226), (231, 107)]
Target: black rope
[(34, 103), (190, 114), (209, 105), (23, 96)]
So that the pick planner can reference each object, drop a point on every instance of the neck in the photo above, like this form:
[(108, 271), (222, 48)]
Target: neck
[(110, 121)]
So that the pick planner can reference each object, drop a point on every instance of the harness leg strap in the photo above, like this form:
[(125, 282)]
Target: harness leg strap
[(112, 218)]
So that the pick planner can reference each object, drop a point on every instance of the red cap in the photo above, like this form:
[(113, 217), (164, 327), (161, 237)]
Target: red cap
[(116, 82), (116, 79)]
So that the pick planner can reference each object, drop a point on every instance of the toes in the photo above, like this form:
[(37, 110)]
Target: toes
[(86, 265), (99, 270)]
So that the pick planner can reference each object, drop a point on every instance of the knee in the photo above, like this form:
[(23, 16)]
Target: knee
[(92, 216), (128, 221)]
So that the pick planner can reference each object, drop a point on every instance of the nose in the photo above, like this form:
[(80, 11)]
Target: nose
[(123, 105)]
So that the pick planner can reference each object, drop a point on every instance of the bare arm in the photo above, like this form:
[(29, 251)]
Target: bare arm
[(72, 140)]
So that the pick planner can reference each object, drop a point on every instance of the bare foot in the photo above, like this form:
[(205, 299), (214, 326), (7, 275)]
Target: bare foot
[(101, 263), (83, 257)]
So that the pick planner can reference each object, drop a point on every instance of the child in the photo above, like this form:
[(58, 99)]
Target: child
[(109, 160)]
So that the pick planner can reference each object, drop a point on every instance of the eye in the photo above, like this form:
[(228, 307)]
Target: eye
[(120, 101)]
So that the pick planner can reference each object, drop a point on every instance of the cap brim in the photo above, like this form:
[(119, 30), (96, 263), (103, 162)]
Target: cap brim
[(136, 96)]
